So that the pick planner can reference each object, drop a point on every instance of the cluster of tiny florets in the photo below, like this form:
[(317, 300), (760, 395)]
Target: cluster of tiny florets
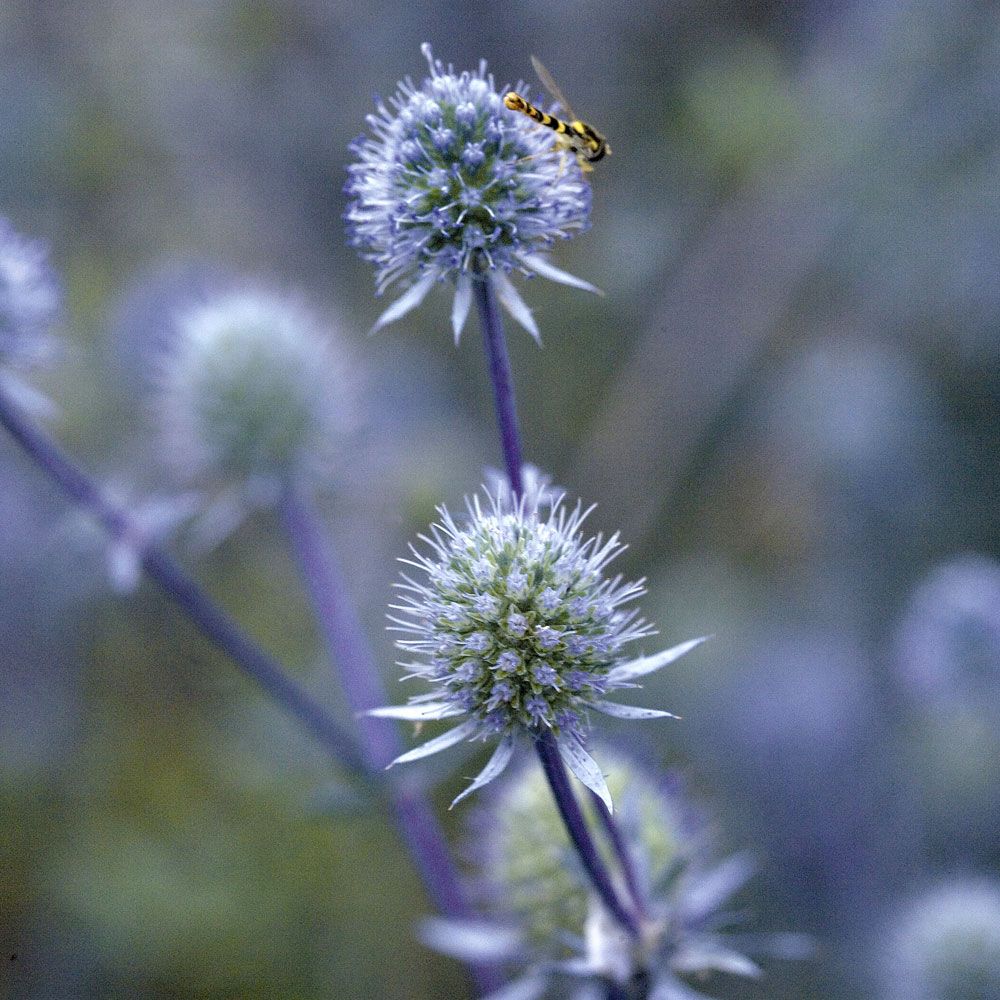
[(525, 862), (451, 182), (517, 622), (250, 391), (29, 298), (946, 944)]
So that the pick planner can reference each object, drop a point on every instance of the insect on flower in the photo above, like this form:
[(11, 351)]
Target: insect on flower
[(581, 139)]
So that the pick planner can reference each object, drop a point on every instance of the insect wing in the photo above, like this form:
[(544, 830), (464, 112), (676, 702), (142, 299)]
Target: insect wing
[(553, 88)]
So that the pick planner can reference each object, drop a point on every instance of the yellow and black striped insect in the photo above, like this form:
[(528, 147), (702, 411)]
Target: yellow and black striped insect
[(581, 139)]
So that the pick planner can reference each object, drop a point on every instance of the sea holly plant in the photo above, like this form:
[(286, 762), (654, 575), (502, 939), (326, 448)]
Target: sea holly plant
[(450, 186), (540, 921), (520, 632), (514, 624), (508, 614)]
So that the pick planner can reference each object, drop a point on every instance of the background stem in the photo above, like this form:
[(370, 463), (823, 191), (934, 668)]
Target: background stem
[(357, 674), (194, 601), (622, 852)]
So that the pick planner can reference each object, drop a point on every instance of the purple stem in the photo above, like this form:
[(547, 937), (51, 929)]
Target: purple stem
[(357, 673), (500, 377), (622, 852), (198, 606), (579, 834), (503, 397)]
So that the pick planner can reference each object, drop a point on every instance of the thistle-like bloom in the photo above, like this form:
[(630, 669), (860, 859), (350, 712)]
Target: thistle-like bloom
[(518, 630), (541, 917), (252, 399), (949, 638), (946, 944), (452, 186), (29, 302)]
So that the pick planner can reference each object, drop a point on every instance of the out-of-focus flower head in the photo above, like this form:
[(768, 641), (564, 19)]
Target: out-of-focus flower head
[(518, 630), (541, 918), (948, 641), (948, 665), (29, 303), (253, 399), (946, 944), (452, 186)]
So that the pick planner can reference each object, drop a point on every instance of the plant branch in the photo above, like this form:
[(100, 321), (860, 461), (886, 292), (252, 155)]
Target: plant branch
[(185, 592)]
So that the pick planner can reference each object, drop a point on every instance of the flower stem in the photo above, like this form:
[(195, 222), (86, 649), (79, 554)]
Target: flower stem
[(500, 377), (351, 657), (198, 606), (622, 852), (357, 673), (579, 834), (510, 440)]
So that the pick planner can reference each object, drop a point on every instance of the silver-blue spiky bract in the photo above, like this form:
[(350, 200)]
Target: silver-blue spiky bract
[(29, 298), (451, 186), (541, 918), (517, 628), (254, 394)]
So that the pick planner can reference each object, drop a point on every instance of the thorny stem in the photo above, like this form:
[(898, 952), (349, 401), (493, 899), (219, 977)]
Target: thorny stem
[(579, 834), (500, 378), (197, 604)]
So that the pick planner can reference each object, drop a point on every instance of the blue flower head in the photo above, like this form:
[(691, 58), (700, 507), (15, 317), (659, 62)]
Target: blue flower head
[(254, 398), (540, 917), (29, 298), (540, 638), (29, 302), (451, 185), (945, 943)]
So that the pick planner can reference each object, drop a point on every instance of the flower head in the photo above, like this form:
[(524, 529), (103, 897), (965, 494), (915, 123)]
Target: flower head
[(541, 916), (29, 303), (451, 185), (948, 641), (946, 944), (252, 398), (518, 629)]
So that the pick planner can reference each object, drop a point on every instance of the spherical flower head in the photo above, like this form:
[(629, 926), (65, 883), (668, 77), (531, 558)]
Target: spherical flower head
[(946, 945), (948, 642), (527, 867), (542, 917), (518, 629), (29, 299), (451, 185), (251, 393)]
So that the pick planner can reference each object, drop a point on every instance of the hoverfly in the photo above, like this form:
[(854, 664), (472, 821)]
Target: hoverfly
[(581, 139)]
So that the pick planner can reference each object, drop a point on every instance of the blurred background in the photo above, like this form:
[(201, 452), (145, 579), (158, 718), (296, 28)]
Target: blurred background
[(788, 402)]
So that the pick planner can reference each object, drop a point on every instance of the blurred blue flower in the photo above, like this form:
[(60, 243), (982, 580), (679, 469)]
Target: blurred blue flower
[(29, 302), (948, 641), (253, 398), (948, 666), (452, 185), (519, 631), (541, 919), (946, 944)]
